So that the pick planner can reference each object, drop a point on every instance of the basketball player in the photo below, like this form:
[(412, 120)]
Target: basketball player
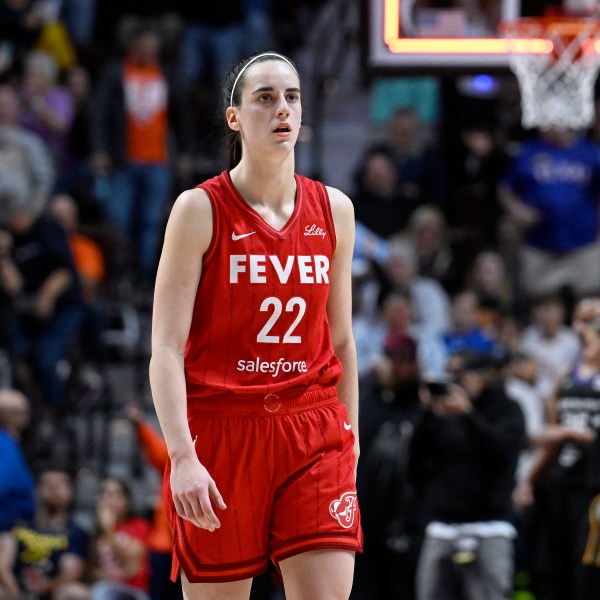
[(253, 368), (565, 475)]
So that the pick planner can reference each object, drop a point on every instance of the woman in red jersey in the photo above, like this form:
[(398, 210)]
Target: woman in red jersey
[(253, 368)]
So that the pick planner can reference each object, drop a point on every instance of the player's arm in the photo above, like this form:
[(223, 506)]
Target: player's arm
[(187, 237), (339, 305)]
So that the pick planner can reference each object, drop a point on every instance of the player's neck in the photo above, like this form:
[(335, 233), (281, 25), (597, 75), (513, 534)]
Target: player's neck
[(263, 183)]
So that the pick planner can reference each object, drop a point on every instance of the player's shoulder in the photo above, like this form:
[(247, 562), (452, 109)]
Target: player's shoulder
[(192, 206), (338, 197), (341, 205)]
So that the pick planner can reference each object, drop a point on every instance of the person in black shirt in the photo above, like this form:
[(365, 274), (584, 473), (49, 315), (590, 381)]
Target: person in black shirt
[(49, 309), (389, 402), (463, 456), (48, 553), (563, 485)]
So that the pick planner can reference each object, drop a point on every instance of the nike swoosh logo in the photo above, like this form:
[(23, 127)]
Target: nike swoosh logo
[(236, 237), (347, 426)]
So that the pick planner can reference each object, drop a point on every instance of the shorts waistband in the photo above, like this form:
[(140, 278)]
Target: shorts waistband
[(280, 403)]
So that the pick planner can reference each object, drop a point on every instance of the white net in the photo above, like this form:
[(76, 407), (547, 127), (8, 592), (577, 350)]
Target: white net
[(557, 88)]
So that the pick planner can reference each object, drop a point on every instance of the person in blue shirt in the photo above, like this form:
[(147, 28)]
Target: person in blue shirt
[(551, 190), (16, 480), (466, 333)]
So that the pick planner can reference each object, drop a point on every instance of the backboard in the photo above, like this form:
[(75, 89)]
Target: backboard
[(434, 35)]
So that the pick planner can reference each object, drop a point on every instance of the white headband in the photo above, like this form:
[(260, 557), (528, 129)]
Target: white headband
[(250, 62)]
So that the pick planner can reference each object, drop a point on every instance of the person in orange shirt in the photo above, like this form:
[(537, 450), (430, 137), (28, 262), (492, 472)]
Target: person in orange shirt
[(160, 540), (87, 254), (139, 104), (89, 263)]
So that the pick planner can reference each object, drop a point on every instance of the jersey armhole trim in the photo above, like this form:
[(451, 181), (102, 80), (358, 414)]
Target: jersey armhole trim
[(214, 205)]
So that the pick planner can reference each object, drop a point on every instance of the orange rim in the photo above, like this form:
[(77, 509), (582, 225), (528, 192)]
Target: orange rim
[(548, 26)]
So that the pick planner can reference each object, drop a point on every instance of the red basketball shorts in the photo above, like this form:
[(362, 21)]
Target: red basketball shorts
[(285, 468)]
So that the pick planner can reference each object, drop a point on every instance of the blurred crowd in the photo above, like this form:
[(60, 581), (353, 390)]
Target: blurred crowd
[(476, 295)]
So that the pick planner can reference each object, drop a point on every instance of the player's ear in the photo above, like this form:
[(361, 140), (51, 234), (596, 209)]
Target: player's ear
[(231, 114)]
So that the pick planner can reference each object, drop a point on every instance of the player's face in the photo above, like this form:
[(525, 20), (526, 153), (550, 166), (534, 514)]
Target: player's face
[(270, 111)]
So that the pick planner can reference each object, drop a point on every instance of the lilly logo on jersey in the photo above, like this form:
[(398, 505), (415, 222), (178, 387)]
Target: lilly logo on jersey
[(314, 230), (343, 510)]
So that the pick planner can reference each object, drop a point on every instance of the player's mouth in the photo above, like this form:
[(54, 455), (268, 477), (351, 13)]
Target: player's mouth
[(283, 129)]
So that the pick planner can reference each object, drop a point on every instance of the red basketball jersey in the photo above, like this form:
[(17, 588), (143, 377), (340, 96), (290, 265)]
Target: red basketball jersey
[(259, 323)]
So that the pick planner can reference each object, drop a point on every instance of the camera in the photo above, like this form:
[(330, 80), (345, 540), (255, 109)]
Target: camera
[(437, 387)]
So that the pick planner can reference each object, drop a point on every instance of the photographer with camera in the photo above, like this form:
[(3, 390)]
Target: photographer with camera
[(463, 457)]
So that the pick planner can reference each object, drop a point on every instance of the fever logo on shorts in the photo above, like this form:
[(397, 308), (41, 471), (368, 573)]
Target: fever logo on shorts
[(344, 509)]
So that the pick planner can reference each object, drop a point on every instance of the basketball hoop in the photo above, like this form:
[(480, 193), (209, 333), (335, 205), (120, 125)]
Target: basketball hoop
[(556, 61)]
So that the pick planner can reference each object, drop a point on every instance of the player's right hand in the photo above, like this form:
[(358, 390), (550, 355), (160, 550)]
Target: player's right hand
[(194, 492)]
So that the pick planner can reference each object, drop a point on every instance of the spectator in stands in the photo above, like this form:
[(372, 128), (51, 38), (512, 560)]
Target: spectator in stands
[(16, 481), (47, 107), (20, 24), (89, 262), (428, 230), (551, 189), (87, 254), (430, 302), (49, 551), (416, 157), (212, 40), (397, 310), (463, 457), (489, 279), (391, 386), (23, 151), (367, 321), (549, 340), (121, 568), (378, 204), (563, 484), (465, 331), (11, 283), (510, 248), (509, 333), (79, 146), (389, 402), (520, 378), (160, 540), (476, 164), (520, 385), (138, 104), (49, 309), (79, 16)]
